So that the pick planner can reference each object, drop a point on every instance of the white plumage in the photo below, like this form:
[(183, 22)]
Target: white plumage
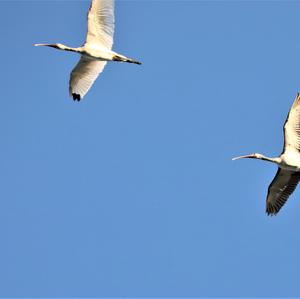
[(96, 51), (288, 173), (101, 24)]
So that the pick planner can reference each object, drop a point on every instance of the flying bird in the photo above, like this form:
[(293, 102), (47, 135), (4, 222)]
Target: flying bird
[(96, 51), (288, 173)]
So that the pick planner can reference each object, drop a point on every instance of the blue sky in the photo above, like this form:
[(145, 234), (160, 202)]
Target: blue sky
[(132, 192)]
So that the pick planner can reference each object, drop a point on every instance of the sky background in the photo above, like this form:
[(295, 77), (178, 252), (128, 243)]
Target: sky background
[(132, 191)]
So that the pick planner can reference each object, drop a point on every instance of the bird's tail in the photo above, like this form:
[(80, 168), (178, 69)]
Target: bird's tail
[(125, 59)]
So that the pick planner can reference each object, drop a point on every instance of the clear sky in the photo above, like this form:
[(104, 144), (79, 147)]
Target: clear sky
[(132, 192)]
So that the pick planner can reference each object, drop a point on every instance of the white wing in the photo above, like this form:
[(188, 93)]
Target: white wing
[(101, 23), (282, 186), (83, 76), (292, 127)]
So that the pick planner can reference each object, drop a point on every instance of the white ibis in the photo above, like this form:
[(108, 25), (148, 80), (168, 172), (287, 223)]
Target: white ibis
[(96, 51), (288, 173)]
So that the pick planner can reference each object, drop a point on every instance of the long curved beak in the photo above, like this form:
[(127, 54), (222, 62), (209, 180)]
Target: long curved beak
[(241, 157), (46, 45)]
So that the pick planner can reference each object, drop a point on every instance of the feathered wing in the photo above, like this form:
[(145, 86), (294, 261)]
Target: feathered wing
[(101, 23), (282, 186), (83, 76), (291, 127)]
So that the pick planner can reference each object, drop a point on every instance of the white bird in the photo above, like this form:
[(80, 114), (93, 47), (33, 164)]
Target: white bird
[(96, 51), (288, 173)]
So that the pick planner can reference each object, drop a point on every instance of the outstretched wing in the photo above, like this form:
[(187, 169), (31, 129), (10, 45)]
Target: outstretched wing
[(282, 186), (101, 23), (292, 127), (83, 76)]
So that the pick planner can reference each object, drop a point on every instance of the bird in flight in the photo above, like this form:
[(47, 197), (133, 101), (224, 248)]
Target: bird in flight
[(96, 51), (288, 173)]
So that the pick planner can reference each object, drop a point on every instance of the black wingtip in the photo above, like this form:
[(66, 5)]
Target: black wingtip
[(76, 97), (271, 211)]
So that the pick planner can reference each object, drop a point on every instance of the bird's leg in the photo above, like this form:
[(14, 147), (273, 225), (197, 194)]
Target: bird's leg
[(124, 59)]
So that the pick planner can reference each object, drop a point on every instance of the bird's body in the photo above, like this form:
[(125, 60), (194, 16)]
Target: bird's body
[(288, 174), (96, 51), (290, 161)]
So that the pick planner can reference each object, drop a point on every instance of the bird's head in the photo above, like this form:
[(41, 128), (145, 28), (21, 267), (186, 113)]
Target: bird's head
[(59, 46)]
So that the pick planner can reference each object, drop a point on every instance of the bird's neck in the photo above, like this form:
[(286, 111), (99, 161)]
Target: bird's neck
[(77, 50), (65, 48), (276, 160)]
